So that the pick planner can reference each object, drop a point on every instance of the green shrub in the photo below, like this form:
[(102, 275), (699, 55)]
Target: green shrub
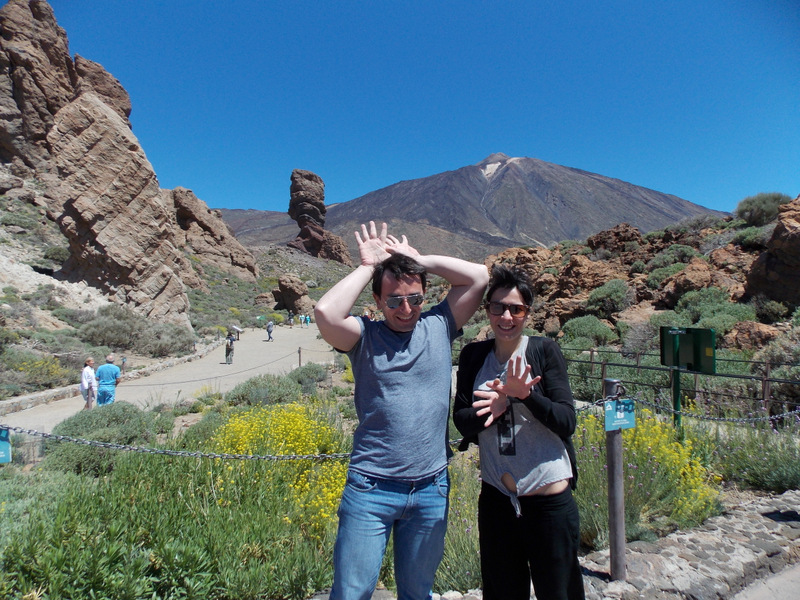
[(769, 311), (758, 457), (608, 298), (762, 208), (117, 423), (677, 253), (58, 254), (783, 355), (114, 326), (669, 318), (695, 303), (590, 327), (308, 376), (753, 238), (657, 277), (796, 317), (165, 339), (264, 389), (638, 266), (711, 308), (19, 220), (35, 371)]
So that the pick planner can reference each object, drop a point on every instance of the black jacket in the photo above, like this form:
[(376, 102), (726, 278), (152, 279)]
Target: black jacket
[(550, 400)]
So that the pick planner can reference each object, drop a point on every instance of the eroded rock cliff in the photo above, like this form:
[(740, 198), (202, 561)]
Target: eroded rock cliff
[(66, 123)]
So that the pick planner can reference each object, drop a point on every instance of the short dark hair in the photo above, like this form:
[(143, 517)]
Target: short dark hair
[(398, 265), (508, 278)]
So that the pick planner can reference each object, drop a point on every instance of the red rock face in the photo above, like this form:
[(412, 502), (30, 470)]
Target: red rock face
[(776, 272), (66, 123), (307, 207)]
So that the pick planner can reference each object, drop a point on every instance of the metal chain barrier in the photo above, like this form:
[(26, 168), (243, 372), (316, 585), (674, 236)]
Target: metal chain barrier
[(672, 411), (163, 452), (346, 455)]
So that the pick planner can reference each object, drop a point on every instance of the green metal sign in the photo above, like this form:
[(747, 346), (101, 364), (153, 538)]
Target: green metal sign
[(687, 349)]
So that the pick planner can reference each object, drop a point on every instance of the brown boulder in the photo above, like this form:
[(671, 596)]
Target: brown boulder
[(307, 198), (776, 272), (617, 239), (266, 299), (696, 276), (292, 294), (582, 275), (749, 335), (66, 123)]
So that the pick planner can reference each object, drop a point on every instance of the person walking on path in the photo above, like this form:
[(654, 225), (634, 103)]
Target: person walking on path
[(270, 327), (397, 481), (88, 383), (229, 341), (513, 398), (107, 381)]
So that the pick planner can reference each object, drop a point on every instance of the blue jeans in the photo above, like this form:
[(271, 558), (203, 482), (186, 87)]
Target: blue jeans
[(370, 510)]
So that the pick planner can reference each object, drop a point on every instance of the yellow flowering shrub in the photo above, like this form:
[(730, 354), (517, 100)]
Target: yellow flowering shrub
[(666, 486), (290, 429), (695, 498)]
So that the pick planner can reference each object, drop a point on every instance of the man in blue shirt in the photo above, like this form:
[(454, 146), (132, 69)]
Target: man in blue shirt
[(108, 376), (397, 481)]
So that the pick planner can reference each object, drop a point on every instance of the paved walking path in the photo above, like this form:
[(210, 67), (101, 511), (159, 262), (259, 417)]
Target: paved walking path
[(253, 355)]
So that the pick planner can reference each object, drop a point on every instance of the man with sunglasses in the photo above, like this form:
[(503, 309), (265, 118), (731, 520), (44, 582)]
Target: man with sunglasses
[(397, 480)]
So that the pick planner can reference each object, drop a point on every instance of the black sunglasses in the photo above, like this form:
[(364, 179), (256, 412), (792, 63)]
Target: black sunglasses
[(413, 300), (498, 308)]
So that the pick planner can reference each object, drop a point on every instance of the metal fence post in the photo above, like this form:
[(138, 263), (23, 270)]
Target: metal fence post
[(616, 490)]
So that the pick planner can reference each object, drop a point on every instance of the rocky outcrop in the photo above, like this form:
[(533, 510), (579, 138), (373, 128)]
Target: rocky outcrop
[(695, 276), (203, 232), (292, 294), (307, 207), (776, 272), (66, 123), (37, 79), (748, 335)]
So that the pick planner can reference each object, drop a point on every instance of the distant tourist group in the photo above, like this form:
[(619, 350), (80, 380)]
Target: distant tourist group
[(100, 386)]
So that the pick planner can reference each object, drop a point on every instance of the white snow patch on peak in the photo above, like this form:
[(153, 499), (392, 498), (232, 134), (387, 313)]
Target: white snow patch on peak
[(489, 169)]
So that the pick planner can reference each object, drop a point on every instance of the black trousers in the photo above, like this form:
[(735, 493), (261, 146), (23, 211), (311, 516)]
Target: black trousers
[(540, 546)]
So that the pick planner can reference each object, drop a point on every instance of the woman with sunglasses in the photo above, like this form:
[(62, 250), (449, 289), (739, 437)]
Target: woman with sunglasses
[(513, 399)]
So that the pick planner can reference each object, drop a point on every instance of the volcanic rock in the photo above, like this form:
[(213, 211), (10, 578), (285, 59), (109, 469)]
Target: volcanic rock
[(776, 272), (749, 335), (307, 207), (696, 276), (292, 294), (65, 123)]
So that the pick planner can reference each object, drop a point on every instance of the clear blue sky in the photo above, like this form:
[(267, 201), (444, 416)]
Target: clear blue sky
[(700, 99)]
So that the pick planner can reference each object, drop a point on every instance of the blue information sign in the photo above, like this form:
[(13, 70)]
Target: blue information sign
[(5, 447), (619, 415)]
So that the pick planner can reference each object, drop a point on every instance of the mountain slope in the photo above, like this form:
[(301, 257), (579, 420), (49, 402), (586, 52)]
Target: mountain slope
[(480, 209)]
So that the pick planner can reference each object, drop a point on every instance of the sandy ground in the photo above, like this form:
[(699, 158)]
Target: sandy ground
[(253, 355)]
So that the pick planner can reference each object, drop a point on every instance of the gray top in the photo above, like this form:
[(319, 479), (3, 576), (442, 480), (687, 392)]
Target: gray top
[(518, 443), (402, 396)]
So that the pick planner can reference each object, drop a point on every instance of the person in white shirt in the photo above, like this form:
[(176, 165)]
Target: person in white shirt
[(88, 383)]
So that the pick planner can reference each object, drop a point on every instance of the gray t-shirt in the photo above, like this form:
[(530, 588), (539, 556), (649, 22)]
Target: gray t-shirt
[(402, 396), (518, 443)]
